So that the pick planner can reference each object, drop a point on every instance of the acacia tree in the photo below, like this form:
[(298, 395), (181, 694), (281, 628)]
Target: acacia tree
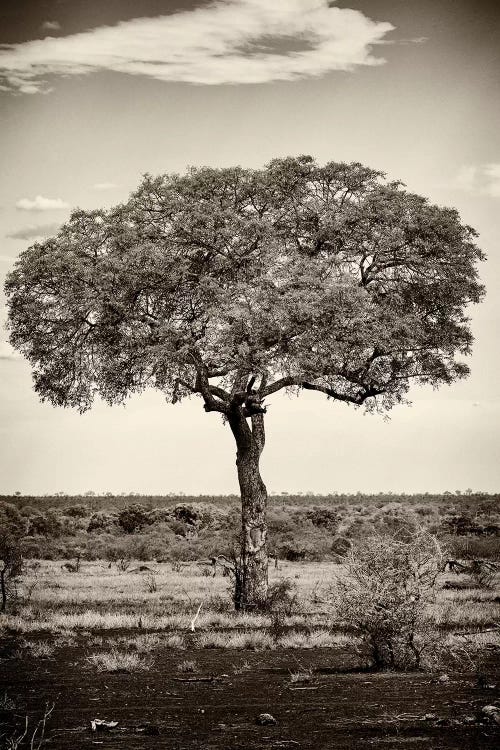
[(235, 284)]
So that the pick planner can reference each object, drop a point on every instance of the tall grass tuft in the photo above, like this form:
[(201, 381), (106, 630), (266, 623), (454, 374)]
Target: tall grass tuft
[(118, 661)]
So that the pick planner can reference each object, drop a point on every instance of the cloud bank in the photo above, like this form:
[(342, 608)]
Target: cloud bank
[(34, 232), (483, 179), (227, 42), (41, 204)]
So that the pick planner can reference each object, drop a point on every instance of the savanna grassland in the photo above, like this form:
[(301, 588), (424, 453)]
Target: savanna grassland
[(153, 641)]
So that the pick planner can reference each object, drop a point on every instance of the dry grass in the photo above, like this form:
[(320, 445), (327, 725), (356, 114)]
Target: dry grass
[(242, 668), (143, 644), (302, 677), (187, 666), (101, 601), (41, 649), (252, 640), (118, 661), (317, 639)]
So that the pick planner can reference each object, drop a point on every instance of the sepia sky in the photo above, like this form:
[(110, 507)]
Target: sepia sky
[(93, 95)]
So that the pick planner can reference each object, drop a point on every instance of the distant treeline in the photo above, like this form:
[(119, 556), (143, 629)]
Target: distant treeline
[(108, 501)]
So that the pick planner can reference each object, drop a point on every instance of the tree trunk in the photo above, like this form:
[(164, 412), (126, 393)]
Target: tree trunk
[(253, 581), (4, 591)]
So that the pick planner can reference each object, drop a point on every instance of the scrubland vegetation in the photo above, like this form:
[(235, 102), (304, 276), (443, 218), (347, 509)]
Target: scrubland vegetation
[(106, 564), (301, 527), (112, 589), (312, 605)]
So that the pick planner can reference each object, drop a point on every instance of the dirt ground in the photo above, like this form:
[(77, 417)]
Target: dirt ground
[(216, 706)]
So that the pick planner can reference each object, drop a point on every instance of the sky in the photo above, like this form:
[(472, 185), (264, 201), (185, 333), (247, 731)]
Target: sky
[(93, 95)]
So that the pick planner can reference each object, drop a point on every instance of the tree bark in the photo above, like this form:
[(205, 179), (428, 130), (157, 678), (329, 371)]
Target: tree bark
[(254, 559), (3, 590)]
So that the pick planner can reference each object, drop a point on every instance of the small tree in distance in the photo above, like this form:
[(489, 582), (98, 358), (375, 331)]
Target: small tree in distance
[(234, 284)]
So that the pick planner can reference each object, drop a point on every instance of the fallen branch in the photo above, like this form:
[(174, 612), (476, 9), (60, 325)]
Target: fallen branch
[(193, 621)]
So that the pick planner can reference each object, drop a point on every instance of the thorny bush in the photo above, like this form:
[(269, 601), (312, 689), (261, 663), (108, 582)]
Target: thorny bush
[(384, 595)]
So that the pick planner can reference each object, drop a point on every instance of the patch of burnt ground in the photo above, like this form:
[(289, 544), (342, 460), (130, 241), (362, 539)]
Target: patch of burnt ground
[(216, 707)]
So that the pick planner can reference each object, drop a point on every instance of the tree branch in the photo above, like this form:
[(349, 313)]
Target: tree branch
[(358, 400), (285, 382), (220, 393), (203, 387)]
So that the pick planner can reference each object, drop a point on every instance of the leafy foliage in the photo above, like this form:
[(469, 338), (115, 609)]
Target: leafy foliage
[(323, 278), (133, 518)]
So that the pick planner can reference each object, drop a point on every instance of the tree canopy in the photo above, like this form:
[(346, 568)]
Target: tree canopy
[(326, 278)]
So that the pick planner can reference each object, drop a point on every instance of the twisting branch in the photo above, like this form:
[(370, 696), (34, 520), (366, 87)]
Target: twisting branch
[(358, 400), (220, 393), (263, 383), (184, 384), (278, 385), (203, 386)]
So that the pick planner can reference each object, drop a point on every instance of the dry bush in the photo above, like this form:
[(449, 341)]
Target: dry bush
[(281, 604), (389, 583), (32, 736), (150, 583)]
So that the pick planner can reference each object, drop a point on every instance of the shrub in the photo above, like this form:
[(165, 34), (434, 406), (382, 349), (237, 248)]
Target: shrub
[(324, 518), (388, 585), (473, 547), (150, 583), (76, 511), (281, 603), (133, 518), (186, 514), (282, 595), (292, 551), (101, 522)]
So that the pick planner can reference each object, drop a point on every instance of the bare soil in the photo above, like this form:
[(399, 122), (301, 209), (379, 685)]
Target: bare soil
[(215, 708)]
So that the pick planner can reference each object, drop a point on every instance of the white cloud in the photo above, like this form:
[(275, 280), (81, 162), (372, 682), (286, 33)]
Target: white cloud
[(104, 186), (482, 179), (34, 232), (492, 174), (51, 26), (229, 41), (41, 204)]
